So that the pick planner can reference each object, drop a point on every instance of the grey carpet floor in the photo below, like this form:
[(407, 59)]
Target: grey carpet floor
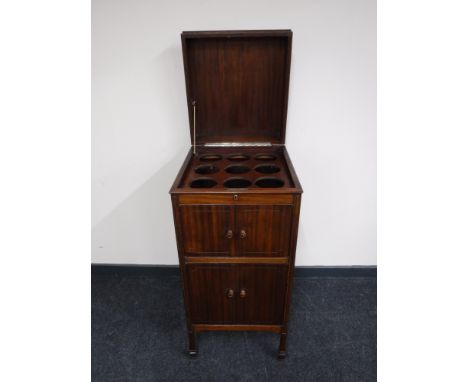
[(139, 334)]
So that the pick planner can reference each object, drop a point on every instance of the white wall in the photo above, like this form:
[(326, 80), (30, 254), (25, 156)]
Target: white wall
[(140, 125)]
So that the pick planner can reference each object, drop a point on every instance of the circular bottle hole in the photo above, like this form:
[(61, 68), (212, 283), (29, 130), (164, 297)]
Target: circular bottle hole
[(237, 183), (267, 168), (206, 169), (265, 157), (269, 183), (210, 157), (203, 183), (237, 169), (238, 157)]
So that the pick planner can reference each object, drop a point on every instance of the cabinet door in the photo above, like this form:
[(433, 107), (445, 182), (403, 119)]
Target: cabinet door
[(206, 230), (237, 294), (209, 288), (263, 230), (262, 291)]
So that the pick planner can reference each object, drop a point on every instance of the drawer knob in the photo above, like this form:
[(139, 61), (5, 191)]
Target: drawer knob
[(229, 234), (236, 197), (229, 293), (243, 234), (243, 293)]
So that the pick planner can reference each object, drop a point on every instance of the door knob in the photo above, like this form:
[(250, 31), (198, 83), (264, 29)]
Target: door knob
[(229, 234), (243, 293), (229, 293), (243, 234)]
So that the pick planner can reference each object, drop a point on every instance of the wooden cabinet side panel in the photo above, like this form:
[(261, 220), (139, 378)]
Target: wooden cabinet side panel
[(183, 274), (292, 258)]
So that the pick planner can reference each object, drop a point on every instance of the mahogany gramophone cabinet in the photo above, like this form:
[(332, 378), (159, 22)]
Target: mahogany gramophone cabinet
[(236, 199)]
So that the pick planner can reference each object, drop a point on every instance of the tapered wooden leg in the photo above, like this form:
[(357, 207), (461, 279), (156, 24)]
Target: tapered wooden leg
[(282, 346), (192, 343)]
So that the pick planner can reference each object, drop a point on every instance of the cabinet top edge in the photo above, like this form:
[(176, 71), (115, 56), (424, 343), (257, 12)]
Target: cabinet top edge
[(288, 191)]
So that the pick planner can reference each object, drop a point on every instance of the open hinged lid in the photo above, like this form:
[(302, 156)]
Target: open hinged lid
[(237, 85)]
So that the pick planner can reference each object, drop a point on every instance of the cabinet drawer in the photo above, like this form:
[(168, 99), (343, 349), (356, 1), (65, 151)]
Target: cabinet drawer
[(237, 294), (233, 198)]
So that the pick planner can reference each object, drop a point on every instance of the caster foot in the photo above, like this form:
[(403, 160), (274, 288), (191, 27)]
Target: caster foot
[(282, 347), (192, 344)]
